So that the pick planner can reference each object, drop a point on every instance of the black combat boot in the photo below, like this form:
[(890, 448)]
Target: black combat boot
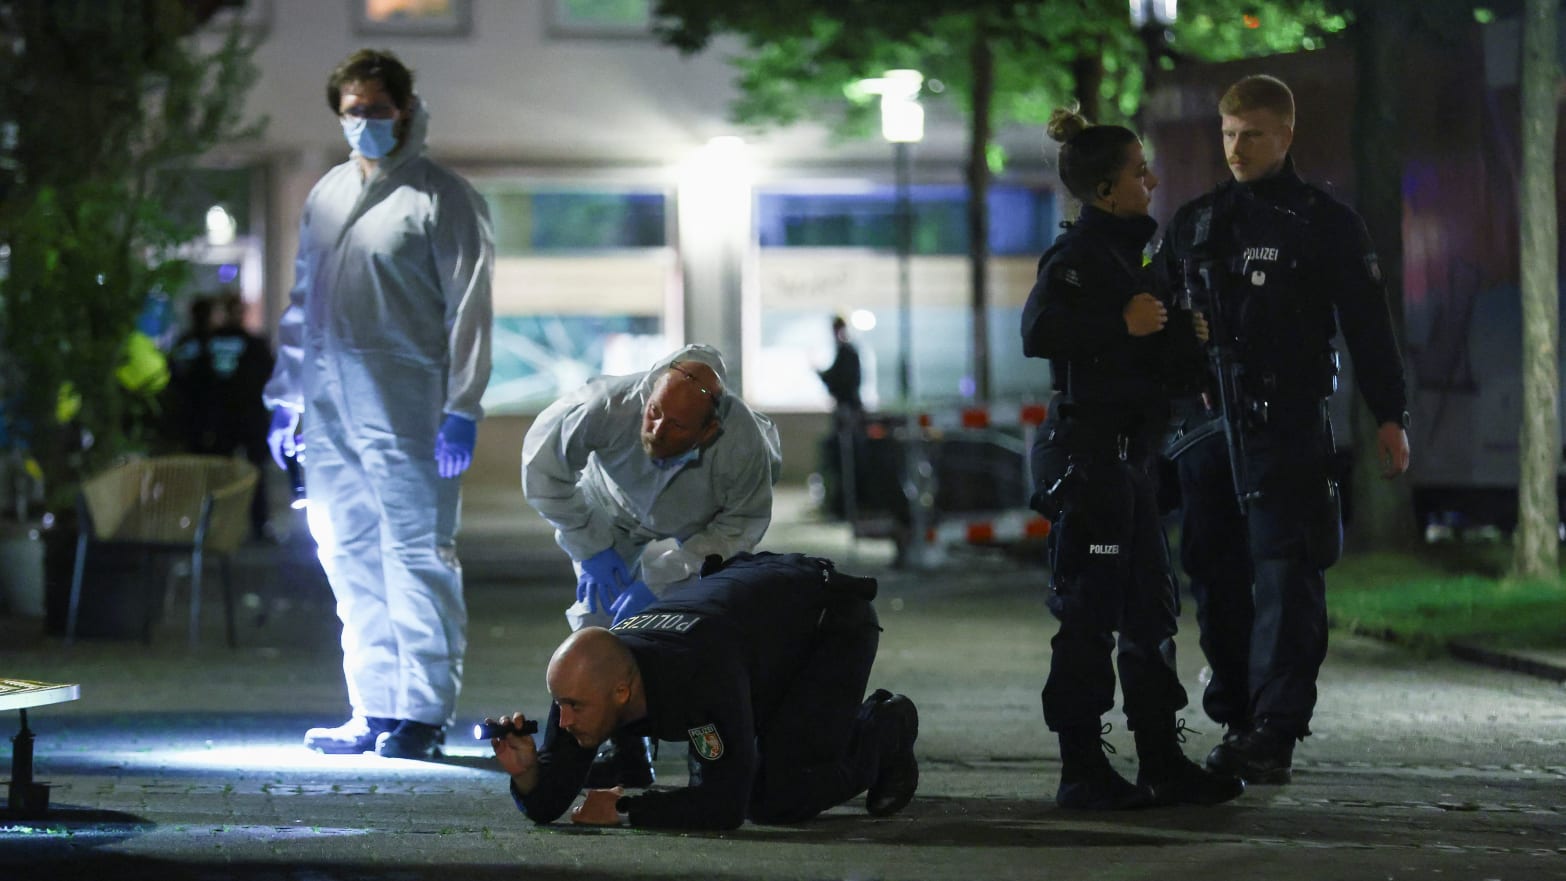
[(1174, 779), (411, 740), (1262, 755), (1087, 782), (898, 775)]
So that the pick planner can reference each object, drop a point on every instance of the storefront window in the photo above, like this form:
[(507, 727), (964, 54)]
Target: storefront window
[(582, 277), (825, 254)]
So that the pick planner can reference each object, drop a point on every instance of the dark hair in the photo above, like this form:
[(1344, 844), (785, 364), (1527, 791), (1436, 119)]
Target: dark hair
[(201, 310), (1089, 154), (838, 323), (371, 65), (1259, 92)]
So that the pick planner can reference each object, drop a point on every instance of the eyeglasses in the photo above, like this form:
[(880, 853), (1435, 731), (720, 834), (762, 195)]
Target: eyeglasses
[(371, 111), (711, 395)]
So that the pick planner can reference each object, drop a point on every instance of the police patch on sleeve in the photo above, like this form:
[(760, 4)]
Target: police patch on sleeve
[(707, 742), (1069, 276), (1373, 266)]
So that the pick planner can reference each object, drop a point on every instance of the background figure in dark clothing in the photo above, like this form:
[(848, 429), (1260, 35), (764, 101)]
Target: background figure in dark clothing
[(243, 363), (760, 666), (218, 370), (190, 394), (1286, 264), (1113, 348), (845, 376), (843, 379)]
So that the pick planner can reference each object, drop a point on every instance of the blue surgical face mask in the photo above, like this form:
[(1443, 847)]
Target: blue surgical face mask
[(373, 138)]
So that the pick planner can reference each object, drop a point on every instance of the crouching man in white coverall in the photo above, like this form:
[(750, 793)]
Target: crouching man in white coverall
[(627, 461), (385, 352)]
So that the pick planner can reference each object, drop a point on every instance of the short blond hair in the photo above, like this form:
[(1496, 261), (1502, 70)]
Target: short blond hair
[(1259, 92)]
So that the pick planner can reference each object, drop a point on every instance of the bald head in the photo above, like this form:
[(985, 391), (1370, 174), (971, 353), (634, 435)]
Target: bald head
[(593, 654), (593, 679), (682, 410)]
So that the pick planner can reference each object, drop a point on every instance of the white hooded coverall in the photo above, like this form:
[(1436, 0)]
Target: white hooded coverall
[(584, 469), (388, 329)]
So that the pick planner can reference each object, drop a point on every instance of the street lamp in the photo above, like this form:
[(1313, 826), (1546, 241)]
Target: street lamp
[(902, 124), (1151, 19), (1153, 12)]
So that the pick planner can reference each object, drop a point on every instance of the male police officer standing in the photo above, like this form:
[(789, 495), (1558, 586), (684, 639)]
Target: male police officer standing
[(1277, 264), (760, 665)]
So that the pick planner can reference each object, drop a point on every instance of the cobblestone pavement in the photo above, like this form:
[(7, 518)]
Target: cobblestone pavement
[(185, 764)]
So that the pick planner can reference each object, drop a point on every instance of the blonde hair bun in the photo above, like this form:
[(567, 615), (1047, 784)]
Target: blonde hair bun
[(1064, 124)]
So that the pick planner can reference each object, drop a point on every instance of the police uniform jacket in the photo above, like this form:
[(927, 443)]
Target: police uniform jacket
[(715, 655), (1108, 380), (1290, 264)]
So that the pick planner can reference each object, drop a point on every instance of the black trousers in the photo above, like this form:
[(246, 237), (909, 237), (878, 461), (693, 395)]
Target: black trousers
[(817, 749), (1113, 590), (1259, 580)]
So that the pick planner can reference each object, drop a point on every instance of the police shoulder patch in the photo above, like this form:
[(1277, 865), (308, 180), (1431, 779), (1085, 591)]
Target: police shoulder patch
[(1069, 275), (706, 742)]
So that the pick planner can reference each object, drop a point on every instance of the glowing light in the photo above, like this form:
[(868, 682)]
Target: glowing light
[(862, 319), (724, 158), (220, 226), (902, 116), (227, 273), (715, 190), (321, 530), (1157, 12), (1252, 20)]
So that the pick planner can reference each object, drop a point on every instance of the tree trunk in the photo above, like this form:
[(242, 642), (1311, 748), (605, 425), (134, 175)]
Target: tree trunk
[(1536, 547), (1383, 510), (1087, 71), (983, 63)]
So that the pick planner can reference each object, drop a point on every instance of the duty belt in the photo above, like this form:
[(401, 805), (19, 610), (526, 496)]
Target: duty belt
[(1079, 440)]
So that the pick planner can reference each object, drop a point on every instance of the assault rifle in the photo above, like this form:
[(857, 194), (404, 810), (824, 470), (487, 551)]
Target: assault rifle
[(1205, 269)]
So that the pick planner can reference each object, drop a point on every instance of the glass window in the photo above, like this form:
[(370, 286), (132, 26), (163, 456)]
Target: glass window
[(582, 279), (834, 253), (575, 220), (600, 18), (412, 17), (1021, 219)]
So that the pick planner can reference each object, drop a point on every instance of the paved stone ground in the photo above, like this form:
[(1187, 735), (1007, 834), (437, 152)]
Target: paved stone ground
[(184, 764)]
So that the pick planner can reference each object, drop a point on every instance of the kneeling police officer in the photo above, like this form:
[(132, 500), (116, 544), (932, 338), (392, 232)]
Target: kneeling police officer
[(760, 666)]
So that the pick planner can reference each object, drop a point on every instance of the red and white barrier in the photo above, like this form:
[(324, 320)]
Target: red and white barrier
[(1007, 527), (944, 531)]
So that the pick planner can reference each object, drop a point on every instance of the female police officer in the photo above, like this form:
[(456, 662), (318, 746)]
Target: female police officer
[(1113, 353)]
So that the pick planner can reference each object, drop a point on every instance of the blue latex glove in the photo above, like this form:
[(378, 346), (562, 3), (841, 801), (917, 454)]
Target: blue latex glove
[(604, 577), (636, 598), (280, 435), (454, 445)]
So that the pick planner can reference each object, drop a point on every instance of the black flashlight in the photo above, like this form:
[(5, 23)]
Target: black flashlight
[(295, 464), (488, 730)]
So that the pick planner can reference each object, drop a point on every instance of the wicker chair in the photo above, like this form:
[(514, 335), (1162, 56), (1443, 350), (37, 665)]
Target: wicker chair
[(178, 504)]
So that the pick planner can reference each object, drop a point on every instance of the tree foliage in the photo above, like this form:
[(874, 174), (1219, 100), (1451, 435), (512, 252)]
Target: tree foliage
[(104, 103), (1001, 61), (803, 58)]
